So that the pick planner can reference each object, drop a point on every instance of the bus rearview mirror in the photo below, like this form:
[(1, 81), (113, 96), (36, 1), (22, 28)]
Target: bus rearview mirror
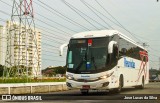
[(124, 50), (61, 49), (110, 46)]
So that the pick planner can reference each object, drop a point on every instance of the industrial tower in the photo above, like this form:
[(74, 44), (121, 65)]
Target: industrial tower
[(22, 56)]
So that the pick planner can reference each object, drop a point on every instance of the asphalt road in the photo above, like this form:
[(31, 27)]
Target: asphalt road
[(150, 94), (151, 88)]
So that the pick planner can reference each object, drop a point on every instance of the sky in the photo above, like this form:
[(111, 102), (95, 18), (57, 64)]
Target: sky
[(140, 17)]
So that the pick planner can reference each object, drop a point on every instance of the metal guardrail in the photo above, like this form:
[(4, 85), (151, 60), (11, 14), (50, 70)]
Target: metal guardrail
[(25, 88)]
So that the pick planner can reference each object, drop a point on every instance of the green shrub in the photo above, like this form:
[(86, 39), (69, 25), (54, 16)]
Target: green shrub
[(31, 80)]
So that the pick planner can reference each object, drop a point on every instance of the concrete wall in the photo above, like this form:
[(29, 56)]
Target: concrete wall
[(29, 88)]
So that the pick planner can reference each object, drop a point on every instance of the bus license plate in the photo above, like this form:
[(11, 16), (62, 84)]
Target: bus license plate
[(86, 86)]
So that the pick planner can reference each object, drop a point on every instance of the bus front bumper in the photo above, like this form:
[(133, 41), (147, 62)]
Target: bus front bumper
[(102, 84)]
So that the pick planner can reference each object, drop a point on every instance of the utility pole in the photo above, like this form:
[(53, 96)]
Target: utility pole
[(22, 56)]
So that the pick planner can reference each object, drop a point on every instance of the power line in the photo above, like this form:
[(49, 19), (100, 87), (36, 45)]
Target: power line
[(50, 38), (53, 60), (47, 38), (48, 48), (153, 61), (45, 47), (94, 9), (42, 49), (4, 12), (62, 30), (53, 41), (154, 40), (49, 45), (53, 35), (55, 12), (61, 38), (78, 13), (108, 13), (154, 50), (47, 30), (97, 3), (42, 42), (52, 21), (2, 20), (154, 55), (117, 21), (45, 58), (39, 15), (5, 3), (76, 10), (102, 14), (40, 20), (89, 7), (50, 52), (56, 22), (54, 56), (0, 0), (51, 26)]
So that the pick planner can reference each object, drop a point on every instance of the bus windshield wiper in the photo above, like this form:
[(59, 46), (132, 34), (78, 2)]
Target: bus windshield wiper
[(81, 63), (79, 66), (93, 60)]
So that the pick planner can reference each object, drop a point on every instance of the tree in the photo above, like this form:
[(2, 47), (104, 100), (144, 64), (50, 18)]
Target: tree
[(49, 72), (1, 70), (60, 70), (54, 70)]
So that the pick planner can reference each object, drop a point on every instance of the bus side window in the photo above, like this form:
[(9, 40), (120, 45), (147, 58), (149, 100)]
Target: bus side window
[(70, 57)]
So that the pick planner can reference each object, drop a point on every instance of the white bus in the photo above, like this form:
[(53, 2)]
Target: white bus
[(105, 59)]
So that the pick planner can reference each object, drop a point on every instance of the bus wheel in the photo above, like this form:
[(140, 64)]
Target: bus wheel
[(120, 85), (84, 91), (142, 85)]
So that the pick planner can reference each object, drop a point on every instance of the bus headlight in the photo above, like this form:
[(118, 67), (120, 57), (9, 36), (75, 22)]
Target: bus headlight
[(106, 76), (103, 77), (69, 77)]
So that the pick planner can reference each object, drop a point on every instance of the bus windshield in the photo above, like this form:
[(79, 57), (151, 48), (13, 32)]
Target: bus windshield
[(87, 55)]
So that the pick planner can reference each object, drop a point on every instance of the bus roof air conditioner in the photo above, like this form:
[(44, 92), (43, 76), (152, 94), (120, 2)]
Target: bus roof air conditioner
[(110, 46)]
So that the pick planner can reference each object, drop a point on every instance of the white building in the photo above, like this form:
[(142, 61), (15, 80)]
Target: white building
[(24, 47), (2, 45)]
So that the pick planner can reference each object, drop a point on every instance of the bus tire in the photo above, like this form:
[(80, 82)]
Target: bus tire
[(84, 91), (142, 85), (119, 89)]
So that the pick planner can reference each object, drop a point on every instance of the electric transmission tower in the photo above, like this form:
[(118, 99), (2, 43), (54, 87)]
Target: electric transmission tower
[(22, 55)]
